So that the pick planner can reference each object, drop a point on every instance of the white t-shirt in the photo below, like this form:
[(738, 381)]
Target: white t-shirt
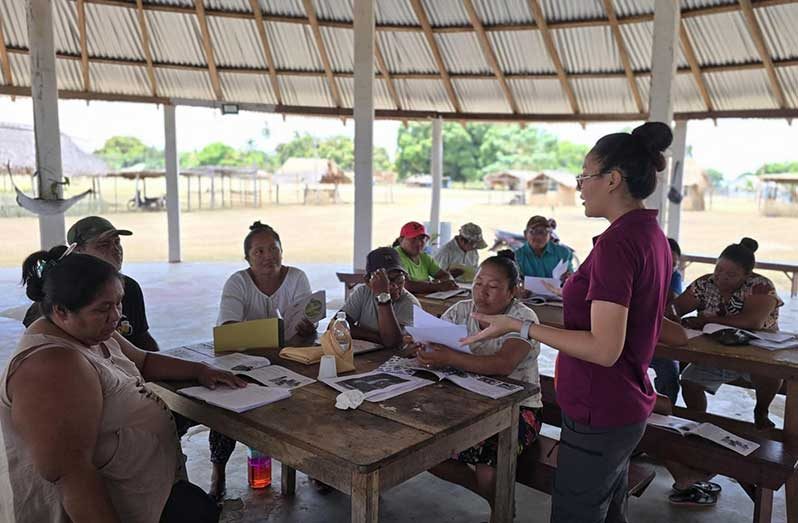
[(243, 301), (452, 255)]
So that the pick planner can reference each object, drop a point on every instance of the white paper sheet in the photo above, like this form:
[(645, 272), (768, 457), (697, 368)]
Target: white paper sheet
[(237, 399), (278, 377), (775, 337), (238, 361), (535, 286), (429, 329), (559, 270)]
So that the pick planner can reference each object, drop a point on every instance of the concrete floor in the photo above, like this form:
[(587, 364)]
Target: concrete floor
[(182, 301)]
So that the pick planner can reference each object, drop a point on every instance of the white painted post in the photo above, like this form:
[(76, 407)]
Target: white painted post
[(172, 187), (663, 75), (436, 169), (679, 148), (46, 131), (363, 112)]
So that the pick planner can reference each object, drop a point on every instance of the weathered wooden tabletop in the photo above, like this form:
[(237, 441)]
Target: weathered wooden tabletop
[(362, 452)]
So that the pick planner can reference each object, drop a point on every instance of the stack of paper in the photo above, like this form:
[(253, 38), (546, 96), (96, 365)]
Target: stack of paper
[(430, 329), (543, 286), (237, 399)]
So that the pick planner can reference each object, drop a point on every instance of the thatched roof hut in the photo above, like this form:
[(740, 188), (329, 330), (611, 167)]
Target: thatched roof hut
[(306, 171), (18, 149)]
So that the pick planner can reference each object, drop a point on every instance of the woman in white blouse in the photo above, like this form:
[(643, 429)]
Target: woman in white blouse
[(260, 291)]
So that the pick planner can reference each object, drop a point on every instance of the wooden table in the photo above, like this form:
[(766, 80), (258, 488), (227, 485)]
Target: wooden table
[(547, 314), (366, 451)]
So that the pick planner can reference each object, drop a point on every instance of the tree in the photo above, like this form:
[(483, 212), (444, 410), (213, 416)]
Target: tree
[(777, 168), (126, 151), (381, 160), (301, 146), (340, 149), (716, 178)]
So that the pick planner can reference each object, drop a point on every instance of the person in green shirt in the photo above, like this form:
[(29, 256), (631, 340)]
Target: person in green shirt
[(424, 275)]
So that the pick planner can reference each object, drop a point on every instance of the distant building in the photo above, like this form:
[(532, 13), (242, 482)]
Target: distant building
[(310, 171), (778, 194), (696, 184), (543, 188)]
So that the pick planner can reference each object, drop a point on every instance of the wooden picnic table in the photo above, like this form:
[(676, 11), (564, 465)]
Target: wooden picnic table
[(549, 314), (366, 451)]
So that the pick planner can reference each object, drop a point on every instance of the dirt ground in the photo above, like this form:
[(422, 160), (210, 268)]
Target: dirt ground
[(322, 233)]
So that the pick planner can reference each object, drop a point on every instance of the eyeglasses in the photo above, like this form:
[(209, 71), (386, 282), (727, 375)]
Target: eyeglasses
[(582, 177), (398, 279)]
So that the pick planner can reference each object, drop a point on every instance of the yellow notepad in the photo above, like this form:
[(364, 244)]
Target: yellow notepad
[(255, 334)]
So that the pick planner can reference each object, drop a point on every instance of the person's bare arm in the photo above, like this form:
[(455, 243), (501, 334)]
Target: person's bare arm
[(672, 334), (56, 407), (756, 310), (685, 303)]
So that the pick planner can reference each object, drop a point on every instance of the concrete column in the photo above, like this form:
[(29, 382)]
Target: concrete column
[(678, 149), (663, 75), (363, 109), (46, 131), (436, 169), (172, 187)]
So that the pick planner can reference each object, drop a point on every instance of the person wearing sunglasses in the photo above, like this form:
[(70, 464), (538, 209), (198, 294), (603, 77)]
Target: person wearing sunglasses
[(540, 255), (380, 309)]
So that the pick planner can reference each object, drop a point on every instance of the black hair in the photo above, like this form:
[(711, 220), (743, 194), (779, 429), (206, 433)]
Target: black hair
[(742, 253), (638, 156), (72, 281), (504, 260), (258, 228), (675, 246)]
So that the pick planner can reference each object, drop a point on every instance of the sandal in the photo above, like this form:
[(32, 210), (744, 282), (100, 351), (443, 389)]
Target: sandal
[(710, 487), (693, 497)]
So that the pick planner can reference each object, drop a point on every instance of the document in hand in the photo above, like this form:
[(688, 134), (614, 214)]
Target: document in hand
[(430, 329), (536, 285), (705, 430), (312, 307), (237, 399)]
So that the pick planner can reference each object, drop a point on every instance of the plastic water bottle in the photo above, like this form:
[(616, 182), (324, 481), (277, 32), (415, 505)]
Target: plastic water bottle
[(259, 469), (340, 331)]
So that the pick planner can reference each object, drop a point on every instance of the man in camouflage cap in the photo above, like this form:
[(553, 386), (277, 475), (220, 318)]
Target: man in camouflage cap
[(459, 256)]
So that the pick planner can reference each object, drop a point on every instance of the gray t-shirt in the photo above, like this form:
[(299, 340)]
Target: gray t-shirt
[(452, 255), (362, 308)]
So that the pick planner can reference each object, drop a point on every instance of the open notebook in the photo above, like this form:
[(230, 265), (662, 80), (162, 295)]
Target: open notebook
[(235, 399)]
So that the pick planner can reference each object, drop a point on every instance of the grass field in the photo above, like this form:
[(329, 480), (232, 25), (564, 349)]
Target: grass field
[(322, 233)]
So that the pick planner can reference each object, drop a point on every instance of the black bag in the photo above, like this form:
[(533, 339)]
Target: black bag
[(731, 337), (188, 503)]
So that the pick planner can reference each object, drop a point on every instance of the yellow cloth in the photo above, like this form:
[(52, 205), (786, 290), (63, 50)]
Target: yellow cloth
[(304, 355)]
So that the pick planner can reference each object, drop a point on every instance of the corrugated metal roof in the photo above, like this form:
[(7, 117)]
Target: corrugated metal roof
[(239, 6), (587, 49), (340, 10), (69, 74), (461, 53), (604, 95), (109, 78), (112, 32), (235, 42), (406, 52), (184, 84), (293, 46), (303, 90), (65, 26), (382, 98), (393, 12), (340, 45), (557, 10), (721, 39), (175, 38), (20, 69), (283, 7), (633, 7), (507, 12), (521, 52), (252, 88), (15, 24), (788, 76), (779, 25), (481, 96), (740, 89), (445, 12), (425, 95), (540, 96)]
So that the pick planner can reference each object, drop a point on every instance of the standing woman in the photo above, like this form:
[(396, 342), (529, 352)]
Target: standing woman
[(613, 309)]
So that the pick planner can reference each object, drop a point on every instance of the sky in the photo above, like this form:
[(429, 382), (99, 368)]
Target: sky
[(731, 146)]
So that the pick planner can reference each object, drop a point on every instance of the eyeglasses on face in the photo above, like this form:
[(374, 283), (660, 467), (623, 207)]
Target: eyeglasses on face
[(582, 177)]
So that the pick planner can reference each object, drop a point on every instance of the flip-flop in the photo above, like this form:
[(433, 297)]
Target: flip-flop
[(707, 486), (693, 497)]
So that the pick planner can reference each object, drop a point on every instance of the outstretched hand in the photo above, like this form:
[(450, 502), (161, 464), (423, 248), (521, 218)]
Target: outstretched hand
[(498, 325), (209, 377)]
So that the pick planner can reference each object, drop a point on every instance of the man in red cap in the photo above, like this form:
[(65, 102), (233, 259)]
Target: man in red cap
[(424, 275)]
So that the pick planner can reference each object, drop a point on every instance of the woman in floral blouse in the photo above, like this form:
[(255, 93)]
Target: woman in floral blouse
[(736, 296)]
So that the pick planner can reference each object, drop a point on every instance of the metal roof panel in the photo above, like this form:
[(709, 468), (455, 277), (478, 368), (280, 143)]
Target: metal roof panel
[(110, 78), (113, 32), (740, 90), (236, 42), (540, 96), (304, 90), (251, 88), (603, 95), (778, 24), (462, 53), (394, 12), (175, 38), (184, 84), (506, 12), (293, 46), (423, 95), (521, 51), (443, 13), (586, 49), (340, 45), (481, 96), (406, 52), (721, 39)]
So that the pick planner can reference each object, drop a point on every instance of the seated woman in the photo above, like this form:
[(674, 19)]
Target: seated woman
[(380, 310), (540, 255), (424, 275), (736, 296), (84, 437), (510, 355), (257, 292)]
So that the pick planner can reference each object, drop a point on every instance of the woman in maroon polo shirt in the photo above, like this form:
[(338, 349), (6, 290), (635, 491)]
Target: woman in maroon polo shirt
[(613, 308)]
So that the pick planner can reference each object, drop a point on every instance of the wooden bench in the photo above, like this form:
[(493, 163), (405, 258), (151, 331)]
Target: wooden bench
[(789, 269), (760, 473)]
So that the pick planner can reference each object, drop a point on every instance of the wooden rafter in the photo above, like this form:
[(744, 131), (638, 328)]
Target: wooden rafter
[(695, 68), (84, 51), (609, 7), (8, 78), (490, 55), (267, 50), (551, 47), (421, 14), (386, 75), (759, 40), (206, 44), (145, 46), (325, 59)]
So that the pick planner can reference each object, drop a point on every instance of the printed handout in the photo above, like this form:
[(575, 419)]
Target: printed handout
[(377, 385), (705, 430), (427, 328)]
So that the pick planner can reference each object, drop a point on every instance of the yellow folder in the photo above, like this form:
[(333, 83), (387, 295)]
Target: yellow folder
[(255, 334)]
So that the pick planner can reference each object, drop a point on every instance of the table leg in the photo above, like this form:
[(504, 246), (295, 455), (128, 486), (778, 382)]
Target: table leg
[(365, 497), (791, 438), (287, 480), (505, 471)]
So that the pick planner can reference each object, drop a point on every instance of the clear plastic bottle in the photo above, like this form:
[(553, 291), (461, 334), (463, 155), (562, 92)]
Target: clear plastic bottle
[(259, 469), (340, 331)]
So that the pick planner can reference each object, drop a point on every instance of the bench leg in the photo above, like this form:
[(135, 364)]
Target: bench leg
[(505, 470), (763, 505), (287, 480), (365, 497)]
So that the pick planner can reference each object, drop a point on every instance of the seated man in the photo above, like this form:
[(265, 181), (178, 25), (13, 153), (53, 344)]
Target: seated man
[(459, 256), (98, 237), (424, 275), (380, 310), (540, 255)]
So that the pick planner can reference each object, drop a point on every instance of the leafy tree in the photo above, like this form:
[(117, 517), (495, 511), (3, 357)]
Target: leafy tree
[(125, 151), (716, 178), (777, 168)]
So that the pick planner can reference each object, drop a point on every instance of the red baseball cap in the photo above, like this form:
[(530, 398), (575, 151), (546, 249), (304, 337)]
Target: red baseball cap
[(413, 230)]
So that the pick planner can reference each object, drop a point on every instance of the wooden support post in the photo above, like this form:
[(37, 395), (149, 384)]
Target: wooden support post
[(172, 186)]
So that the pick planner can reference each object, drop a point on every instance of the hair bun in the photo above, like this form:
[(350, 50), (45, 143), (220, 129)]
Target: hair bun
[(506, 253), (750, 244), (256, 226), (655, 137)]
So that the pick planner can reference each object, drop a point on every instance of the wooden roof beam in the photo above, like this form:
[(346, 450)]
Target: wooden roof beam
[(609, 7), (325, 59), (145, 46), (84, 52), (490, 55), (267, 50), (421, 15), (551, 47), (695, 68), (386, 75), (8, 77), (759, 41), (206, 44)]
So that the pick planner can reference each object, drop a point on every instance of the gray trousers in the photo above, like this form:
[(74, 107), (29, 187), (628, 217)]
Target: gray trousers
[(591, 480)]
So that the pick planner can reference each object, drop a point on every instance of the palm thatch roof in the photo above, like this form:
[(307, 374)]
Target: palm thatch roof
[(18, 149)]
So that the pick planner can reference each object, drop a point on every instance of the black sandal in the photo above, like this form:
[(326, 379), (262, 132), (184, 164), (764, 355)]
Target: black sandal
[(710, 487), (693, 497)]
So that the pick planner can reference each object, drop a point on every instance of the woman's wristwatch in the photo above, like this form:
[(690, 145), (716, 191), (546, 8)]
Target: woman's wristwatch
[(525, 329)]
